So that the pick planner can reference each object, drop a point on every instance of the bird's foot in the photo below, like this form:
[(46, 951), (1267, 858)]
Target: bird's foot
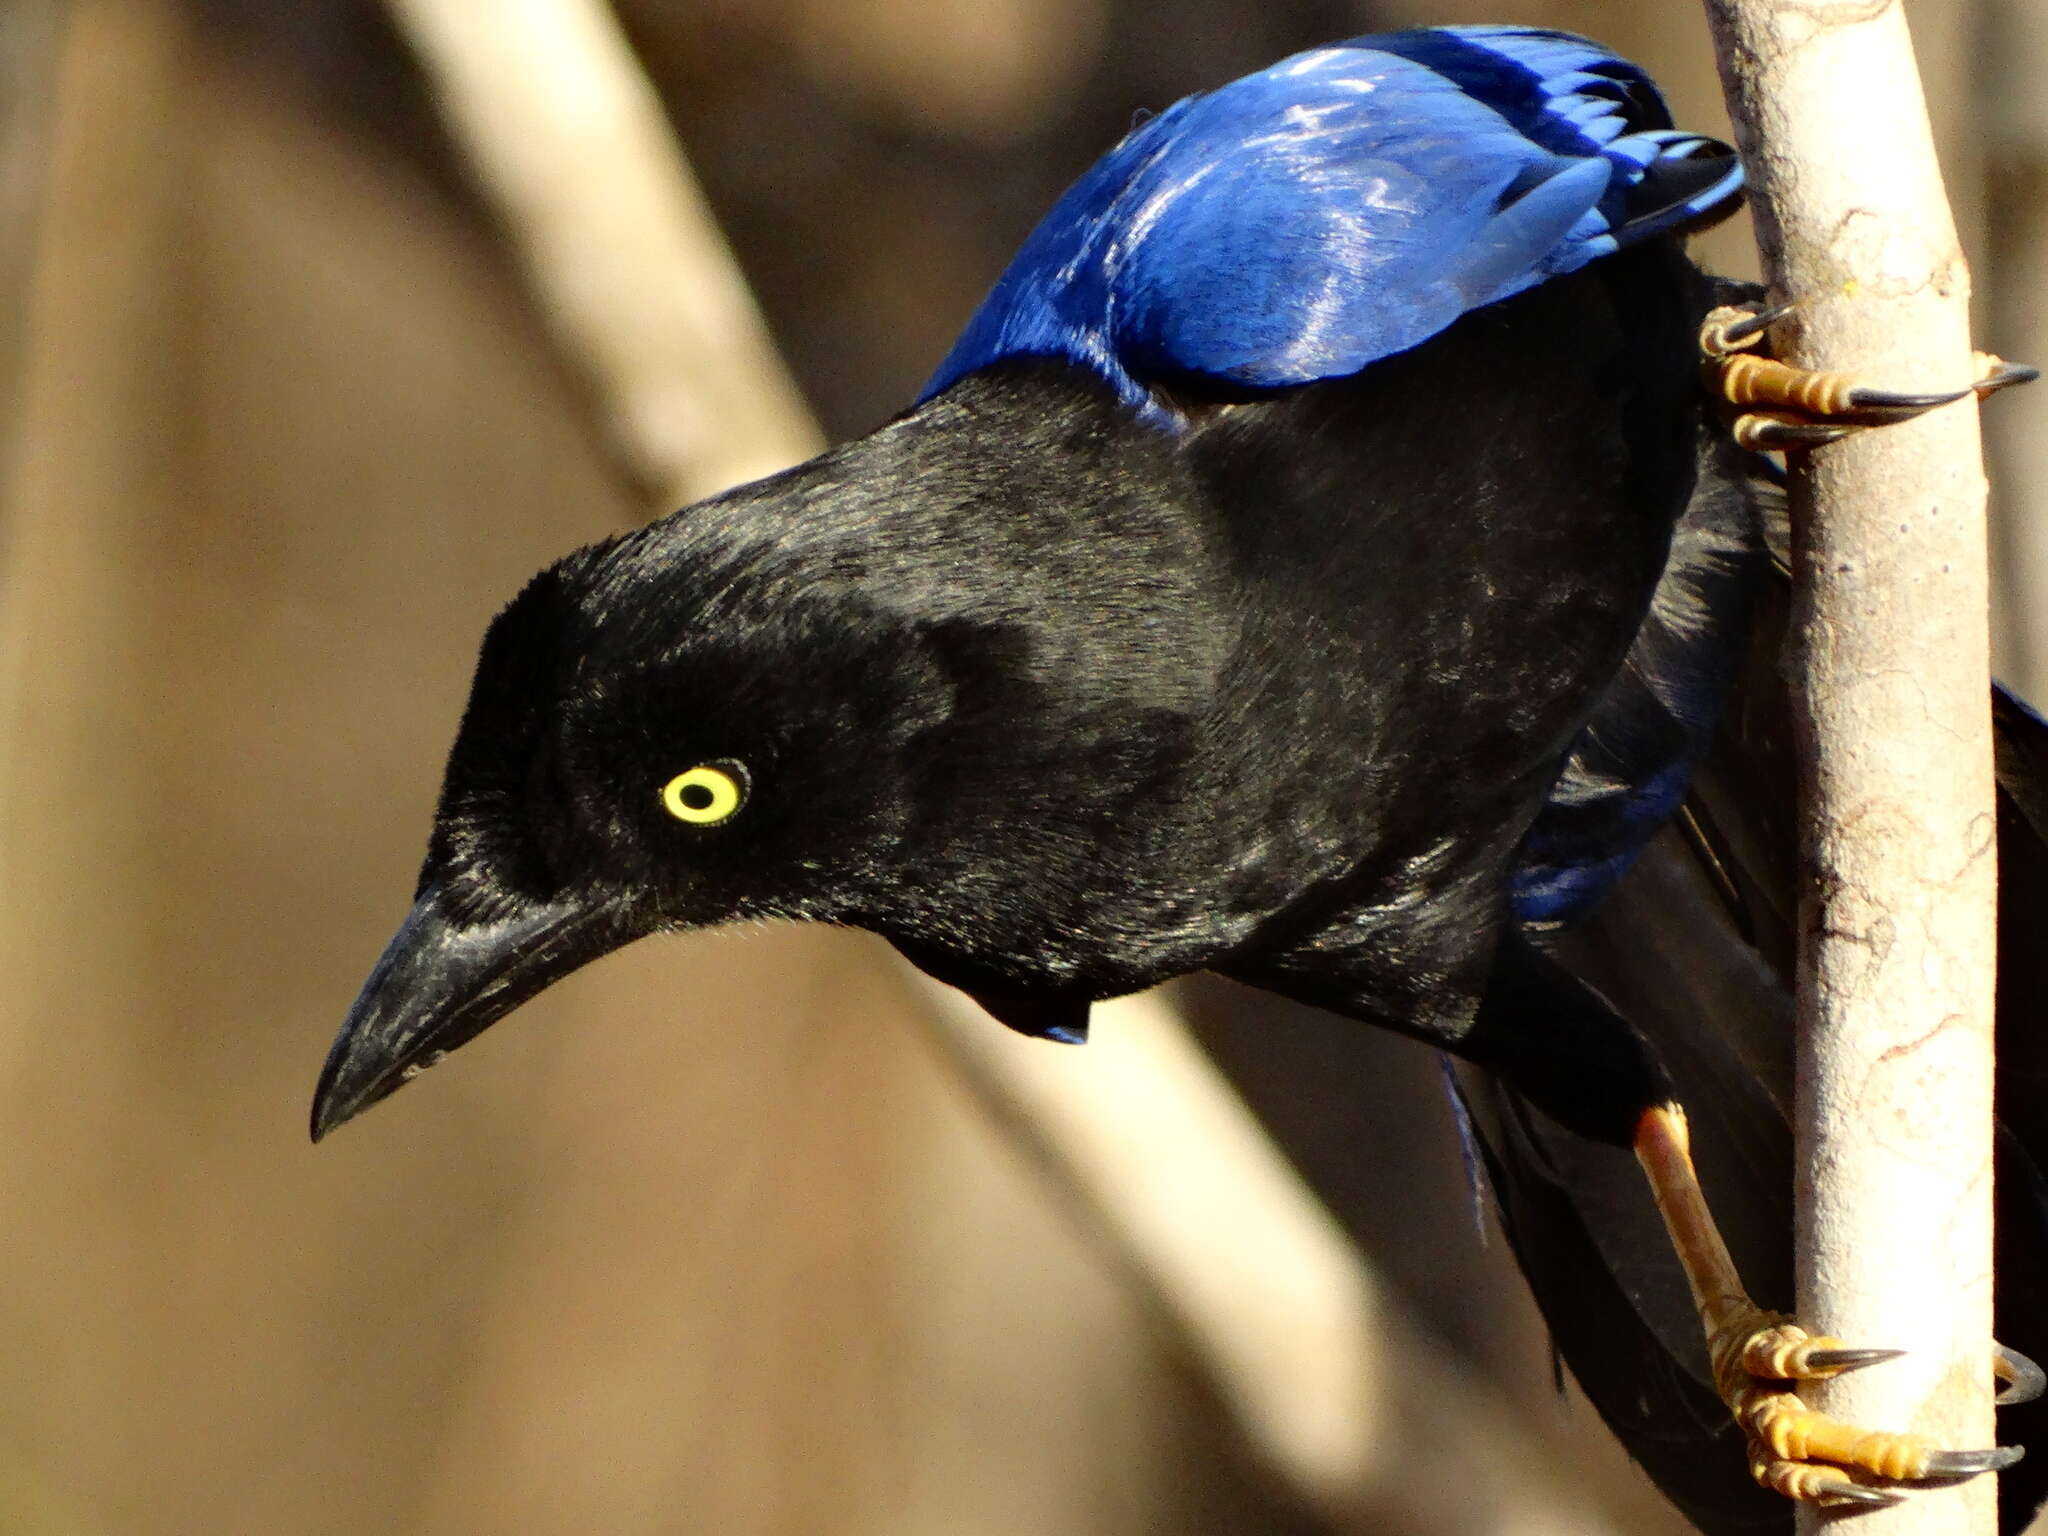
[(1758, 1359), (1778, 406)]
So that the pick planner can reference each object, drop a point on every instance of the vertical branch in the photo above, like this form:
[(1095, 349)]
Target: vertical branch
[(1893, 1110)]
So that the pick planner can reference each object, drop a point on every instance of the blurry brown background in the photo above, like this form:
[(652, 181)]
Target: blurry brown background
[(708, 1239)]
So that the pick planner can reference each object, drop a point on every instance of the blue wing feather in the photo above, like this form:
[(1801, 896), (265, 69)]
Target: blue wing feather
[(1343, 205)]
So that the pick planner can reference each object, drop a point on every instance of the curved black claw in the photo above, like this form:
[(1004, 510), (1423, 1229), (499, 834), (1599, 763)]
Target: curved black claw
[(1764, 433), (1970, 1463), (1890, 405), (2005, 376), (1837, 1362), (1859, 1494), (2024, 1380), (1739, 333)]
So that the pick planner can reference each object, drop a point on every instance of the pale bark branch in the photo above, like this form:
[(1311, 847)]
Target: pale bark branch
[(1890, 666), (1332, 1384)]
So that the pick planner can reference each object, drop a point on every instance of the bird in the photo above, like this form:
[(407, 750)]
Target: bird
[(1317, 563)]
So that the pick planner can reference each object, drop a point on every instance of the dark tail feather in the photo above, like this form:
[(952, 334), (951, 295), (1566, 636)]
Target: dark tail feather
[(1607, 1323), (1579, 1215)]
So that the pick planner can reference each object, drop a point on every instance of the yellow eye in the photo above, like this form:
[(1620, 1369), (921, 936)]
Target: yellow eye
[(706, 794)]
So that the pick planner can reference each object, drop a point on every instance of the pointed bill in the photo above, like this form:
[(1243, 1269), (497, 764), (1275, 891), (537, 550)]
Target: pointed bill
[(440, 983)]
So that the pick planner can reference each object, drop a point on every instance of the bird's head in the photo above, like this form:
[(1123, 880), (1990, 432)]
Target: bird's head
[(784, 703), (639, 754)]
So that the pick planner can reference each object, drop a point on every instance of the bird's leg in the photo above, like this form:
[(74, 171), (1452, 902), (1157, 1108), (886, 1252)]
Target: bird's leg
[(1779, 406), (1758, 1356)]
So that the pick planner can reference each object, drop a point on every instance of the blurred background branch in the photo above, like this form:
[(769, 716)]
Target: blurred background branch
[(570, 144), (1888, 657)]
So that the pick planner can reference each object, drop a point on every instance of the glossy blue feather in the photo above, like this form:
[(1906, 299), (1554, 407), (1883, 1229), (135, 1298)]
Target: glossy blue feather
[(1345, 204)]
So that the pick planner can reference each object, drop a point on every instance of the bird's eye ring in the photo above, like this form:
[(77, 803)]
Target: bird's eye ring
[(707, 794)]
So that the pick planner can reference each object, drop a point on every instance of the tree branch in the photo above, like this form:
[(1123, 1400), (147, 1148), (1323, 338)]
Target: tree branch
[(1893, 1111)]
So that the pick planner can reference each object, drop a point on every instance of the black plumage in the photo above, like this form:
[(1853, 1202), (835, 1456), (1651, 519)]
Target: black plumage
[(1317, 564), (1064, 707)]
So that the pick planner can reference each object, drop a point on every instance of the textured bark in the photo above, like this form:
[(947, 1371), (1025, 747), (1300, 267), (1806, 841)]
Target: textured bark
[(1890, 661)]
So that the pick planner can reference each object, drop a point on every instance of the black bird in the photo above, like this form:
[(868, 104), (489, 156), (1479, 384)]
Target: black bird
[(1278, 578)]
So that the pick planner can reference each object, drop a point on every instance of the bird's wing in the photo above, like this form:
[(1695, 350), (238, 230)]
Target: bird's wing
[(1696, 950), (1634, 761), (1345, 204)]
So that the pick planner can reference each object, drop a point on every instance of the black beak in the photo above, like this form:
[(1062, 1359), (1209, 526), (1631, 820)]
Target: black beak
[(441, 983)]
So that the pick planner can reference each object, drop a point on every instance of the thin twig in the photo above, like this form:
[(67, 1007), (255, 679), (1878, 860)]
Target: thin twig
[(1893, 1112), (1335, 1388)]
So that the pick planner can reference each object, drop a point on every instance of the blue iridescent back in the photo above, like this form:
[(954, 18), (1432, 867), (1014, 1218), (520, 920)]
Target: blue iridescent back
[(1346, 204)]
